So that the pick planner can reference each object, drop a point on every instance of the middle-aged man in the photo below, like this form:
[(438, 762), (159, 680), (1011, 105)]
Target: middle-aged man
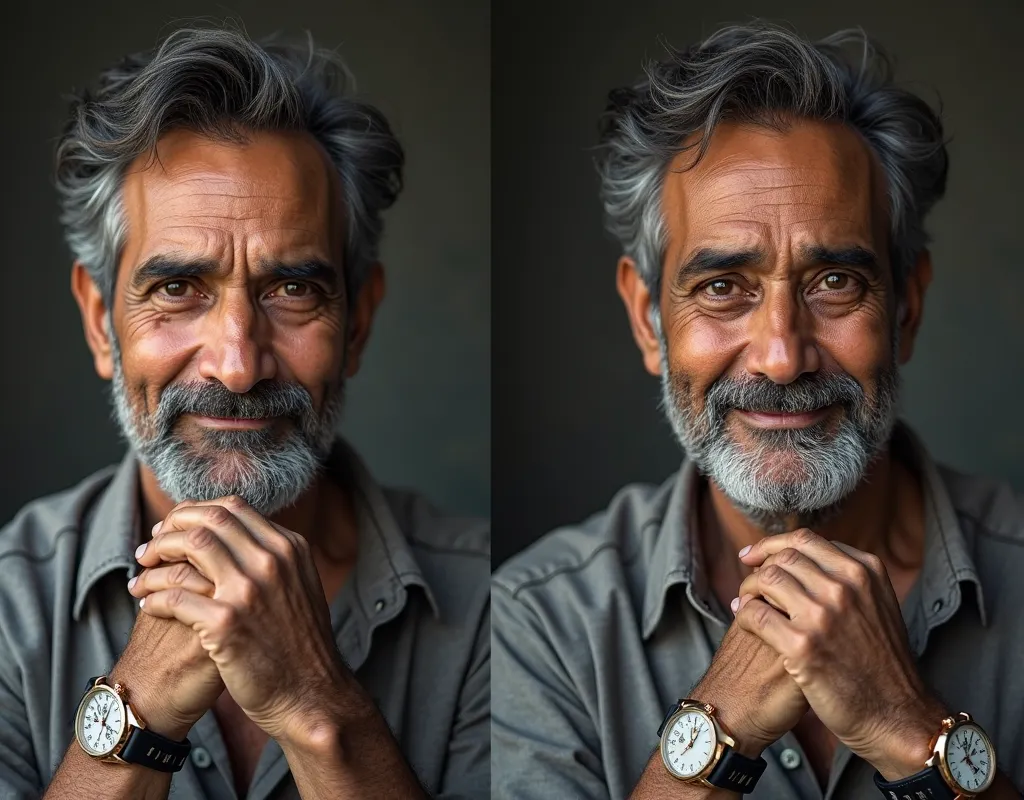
[(303, 631), (807, 607)]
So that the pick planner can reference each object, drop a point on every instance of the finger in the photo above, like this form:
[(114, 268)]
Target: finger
[(221, 519), (823, 552), (767, 624), (168, 576), (195, 610), (200, 547), (780, 587)]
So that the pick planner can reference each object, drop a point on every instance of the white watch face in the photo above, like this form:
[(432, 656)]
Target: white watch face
[(100, 721), (689, 743), (969, 757)]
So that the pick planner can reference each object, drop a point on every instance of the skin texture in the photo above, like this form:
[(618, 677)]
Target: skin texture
[(780, 314), (241, 208)]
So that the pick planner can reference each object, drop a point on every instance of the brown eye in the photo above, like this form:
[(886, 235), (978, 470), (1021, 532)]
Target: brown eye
[(720, 288), (175, 288), (295, 289), (836, 280)]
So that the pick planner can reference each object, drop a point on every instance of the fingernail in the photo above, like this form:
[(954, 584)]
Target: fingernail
[(745, 550), (142, 602), (133, 581), (140, 550), (157, 527), (735, 605)]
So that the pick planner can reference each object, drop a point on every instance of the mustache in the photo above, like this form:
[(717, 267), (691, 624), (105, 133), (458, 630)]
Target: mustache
[(807, 393), (213, 399)]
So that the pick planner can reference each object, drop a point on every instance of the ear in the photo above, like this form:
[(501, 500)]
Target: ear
[(361, 315), (94, 319), (912, 307), (637, 299)]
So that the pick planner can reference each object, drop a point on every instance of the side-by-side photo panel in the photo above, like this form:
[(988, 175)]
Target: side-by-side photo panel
[(245, 440), (756, 449)]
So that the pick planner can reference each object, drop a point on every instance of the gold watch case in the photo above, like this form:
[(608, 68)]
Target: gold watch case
[(939, 746), (721, 740), (127, 714)]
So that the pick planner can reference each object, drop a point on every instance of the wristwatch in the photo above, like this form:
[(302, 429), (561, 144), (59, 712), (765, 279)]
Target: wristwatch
[(962, 765), (108, 729), (695, 748)]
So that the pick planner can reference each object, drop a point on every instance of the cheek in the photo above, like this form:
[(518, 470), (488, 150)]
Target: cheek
[(702, 348), (154, 354), (313, 354), (860, 344)]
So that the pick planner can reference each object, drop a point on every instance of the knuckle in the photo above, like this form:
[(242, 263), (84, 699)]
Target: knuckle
[(788, 557), (175, 597), (199, 538), (860, 576), (819, 616), (772, 575), (803, 646), (217, 515), (233, 501), (223, 618), (760, 615), (842, 597), (804, 536), (246, 591), (179, 574), (266, 566), (874, 564)]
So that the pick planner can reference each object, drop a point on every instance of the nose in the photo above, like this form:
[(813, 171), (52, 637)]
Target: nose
[(237, 353), (782, 344)]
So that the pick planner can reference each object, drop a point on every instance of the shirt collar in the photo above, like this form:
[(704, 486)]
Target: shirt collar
[(385, 566), (675, 558)]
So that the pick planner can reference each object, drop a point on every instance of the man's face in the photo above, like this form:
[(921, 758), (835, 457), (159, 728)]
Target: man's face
[(229, 316), (778, 334)]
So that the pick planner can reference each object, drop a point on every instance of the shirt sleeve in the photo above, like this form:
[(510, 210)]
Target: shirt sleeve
[(467, 773), (19, 777), (544, 741)]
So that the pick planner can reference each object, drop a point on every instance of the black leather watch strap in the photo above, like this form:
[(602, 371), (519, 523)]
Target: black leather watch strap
[(927, 783), (736, 772), (157, 752)]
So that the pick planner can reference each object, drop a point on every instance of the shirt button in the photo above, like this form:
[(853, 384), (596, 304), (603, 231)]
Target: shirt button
[(379, 606), (201, 757), (790, 758), (937, 606)]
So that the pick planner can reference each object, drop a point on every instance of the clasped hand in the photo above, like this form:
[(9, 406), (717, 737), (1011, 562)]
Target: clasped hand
[(832, 615), (250, 590)]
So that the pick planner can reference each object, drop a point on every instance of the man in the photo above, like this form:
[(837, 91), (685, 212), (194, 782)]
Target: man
[(303, 632), (822, 593)]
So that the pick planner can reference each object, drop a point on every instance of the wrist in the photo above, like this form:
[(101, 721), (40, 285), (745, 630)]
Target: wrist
[(908, 745), (734, 721), (149, 708)]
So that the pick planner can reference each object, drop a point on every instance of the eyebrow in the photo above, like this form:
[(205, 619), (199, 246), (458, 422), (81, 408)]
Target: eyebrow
[(852, 256), (165, 268), (708, 259)]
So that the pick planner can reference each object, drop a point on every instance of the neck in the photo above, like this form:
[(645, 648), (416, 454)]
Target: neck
[(884, 515)]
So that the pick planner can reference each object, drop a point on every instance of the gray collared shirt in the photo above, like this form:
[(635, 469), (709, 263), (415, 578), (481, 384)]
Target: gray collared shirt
[(599, 628), (412, 622)]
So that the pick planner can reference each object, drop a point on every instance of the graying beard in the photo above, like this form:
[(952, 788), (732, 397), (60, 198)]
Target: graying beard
[(270, 474), (833, 466)]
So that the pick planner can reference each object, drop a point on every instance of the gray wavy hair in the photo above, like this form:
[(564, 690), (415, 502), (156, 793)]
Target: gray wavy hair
[(220, 83), (766, 75)]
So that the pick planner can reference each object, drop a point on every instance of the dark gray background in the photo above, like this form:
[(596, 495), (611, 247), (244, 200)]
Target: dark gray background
[(575, 415), (420, 408)]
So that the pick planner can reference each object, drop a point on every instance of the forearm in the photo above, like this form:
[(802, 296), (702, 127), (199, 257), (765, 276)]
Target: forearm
[(351, 758), (656, 783), (81, 776)]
